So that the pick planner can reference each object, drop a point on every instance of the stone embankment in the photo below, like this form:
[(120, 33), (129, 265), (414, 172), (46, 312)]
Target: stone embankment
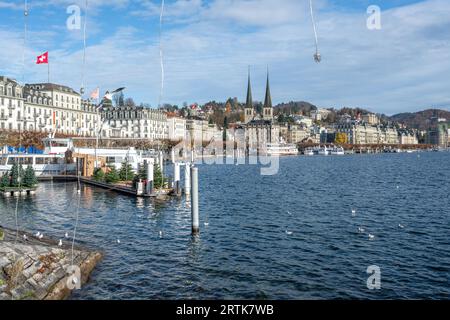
[(38, 269)]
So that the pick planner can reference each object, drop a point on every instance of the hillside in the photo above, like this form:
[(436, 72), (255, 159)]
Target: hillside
[(420, 120)]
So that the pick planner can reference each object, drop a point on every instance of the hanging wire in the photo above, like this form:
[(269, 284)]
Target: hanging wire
[(161, 56), (25, 34), (84, 48), (317, 56)]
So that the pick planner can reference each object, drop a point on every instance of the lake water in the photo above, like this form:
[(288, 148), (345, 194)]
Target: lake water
[(287, 236)]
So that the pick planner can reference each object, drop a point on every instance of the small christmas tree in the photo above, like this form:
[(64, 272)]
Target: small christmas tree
[(29, 177), (158, 178), (112, 176), (4, 181), (16, 175), (126, 172)]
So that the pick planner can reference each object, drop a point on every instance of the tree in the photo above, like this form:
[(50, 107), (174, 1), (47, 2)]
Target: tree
[(126, 172), (16, 175), (158, 178), (29, 178), (129, 102), (99, 175), (112, 176), (341, 138), (4, 181)]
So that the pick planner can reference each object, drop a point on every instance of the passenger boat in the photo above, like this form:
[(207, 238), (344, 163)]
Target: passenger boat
[(308, 152), (337, 151)]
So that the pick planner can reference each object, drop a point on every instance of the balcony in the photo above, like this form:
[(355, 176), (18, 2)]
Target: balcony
[(11, 107), (41, 125), (4, 117)]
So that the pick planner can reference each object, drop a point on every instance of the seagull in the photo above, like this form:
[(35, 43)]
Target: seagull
[(353, 212), (206, 223), (288, 232), (60, 243), (360, 230), (289, 213), (41, 236), (371, 236), (38, 234), (401, 226), (25, 237), (160, 234), (74, 280), (118, 241), (66, 235), (398, 187)]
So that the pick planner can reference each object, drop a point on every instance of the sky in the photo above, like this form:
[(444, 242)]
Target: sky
[(208, 46)]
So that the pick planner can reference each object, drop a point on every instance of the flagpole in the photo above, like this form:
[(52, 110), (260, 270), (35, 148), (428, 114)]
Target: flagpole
[(48, 66)]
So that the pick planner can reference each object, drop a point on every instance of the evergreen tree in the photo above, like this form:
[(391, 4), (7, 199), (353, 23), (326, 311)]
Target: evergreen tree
[(29, 178), (141, 175), (112, 176), (4, 181), (158, 178), (126, 172), (99, 175), (16, 175)]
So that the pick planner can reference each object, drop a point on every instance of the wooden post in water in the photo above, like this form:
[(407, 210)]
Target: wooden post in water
[(149, 188), (172, 154), (194, 201), (187, 180), (176, 178)]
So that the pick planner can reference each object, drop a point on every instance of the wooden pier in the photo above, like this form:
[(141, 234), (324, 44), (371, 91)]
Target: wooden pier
[(113, 187)]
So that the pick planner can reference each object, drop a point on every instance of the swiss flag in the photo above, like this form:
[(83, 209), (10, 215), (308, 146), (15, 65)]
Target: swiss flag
[(43, 58)]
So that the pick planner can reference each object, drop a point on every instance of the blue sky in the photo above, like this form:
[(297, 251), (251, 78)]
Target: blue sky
[(208, 45)]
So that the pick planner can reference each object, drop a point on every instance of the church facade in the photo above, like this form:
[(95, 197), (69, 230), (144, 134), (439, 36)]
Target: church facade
[(260, 127)]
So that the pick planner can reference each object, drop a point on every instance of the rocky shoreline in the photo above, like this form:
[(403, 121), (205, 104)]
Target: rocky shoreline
[(37, 269)]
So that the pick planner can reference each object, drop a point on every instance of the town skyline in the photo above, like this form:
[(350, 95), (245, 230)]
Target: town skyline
[(392, 70)]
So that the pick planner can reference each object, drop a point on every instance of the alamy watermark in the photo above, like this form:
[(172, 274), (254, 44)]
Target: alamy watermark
[(374, 19), (374, 280)]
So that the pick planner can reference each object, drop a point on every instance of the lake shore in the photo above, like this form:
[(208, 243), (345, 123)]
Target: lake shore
[(36, 269)]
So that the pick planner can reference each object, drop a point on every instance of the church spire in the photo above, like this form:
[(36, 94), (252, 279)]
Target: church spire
[(268, 99), (249, 103)]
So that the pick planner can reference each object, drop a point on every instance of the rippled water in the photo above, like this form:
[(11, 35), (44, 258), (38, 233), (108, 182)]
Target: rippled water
[(247, 250)]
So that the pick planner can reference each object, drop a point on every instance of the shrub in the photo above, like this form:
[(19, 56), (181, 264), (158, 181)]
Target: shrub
[(99, 175), (112, 176), (126, 172)]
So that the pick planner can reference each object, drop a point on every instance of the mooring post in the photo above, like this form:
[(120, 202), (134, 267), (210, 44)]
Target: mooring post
[(149, 188), (194, 201), (176, 178), (161, 162), (172, 153), (187, 179)]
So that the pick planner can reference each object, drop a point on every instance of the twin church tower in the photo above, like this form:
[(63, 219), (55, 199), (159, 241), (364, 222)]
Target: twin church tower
[(251, 114)]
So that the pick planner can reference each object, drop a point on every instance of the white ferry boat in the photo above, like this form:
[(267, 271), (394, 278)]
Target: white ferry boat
[(337, 151), (323, 151), (281, 149), (53, 160), (308, 152), (43, 164)]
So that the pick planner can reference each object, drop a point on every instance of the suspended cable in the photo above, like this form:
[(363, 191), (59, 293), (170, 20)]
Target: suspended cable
[(25, 34), (317, 56), (84, 47), (161, 56)]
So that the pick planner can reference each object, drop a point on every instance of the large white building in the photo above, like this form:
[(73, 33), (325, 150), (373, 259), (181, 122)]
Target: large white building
[(176, 128), (136, 122), (11, 105), (57, 108)]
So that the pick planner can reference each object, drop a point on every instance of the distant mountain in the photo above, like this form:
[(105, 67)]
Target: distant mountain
[(420, 120)]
